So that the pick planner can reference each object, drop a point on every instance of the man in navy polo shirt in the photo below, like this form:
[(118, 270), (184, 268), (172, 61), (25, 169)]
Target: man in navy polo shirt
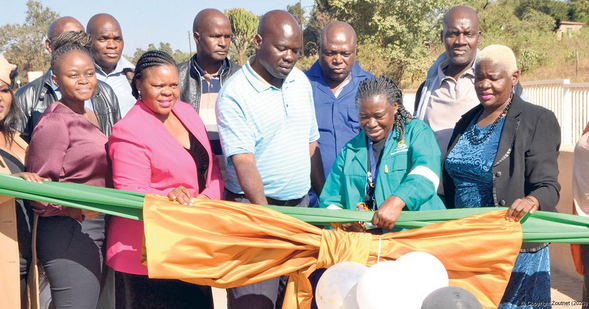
[(335, 78)]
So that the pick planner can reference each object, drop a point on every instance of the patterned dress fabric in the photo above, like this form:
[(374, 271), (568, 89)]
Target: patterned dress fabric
[(530, 278), (470, 167)]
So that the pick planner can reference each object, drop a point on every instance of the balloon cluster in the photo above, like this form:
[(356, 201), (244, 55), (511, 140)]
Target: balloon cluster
[(403, 283)]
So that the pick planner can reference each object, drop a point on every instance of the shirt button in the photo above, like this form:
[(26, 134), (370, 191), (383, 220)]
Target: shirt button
[(498, 174), (502, 202)]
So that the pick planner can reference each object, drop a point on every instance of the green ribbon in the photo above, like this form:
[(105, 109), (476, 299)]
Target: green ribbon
[(540, 226)]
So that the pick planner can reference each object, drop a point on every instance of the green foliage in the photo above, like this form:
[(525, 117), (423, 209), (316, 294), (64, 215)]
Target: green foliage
[(396, 32), (540, 54), (519, 26), (397, 38), (23, 44), (558, 10), (312, 33), (244, 25), (401, 38), (570, 10), (579, 10), (530, 59), (305, 63), (298, 12), (177, 54)]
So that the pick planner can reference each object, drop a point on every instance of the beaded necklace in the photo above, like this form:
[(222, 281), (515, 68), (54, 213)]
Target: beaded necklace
[(476, 140)]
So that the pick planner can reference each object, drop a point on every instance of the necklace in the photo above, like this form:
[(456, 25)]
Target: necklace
[(479, 140)]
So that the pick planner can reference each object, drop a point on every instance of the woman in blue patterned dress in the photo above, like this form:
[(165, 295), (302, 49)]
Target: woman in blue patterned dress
[(504, 152)]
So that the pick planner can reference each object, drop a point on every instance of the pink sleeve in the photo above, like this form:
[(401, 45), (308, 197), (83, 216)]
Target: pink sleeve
[(131, 163), (45, 156), (214, 189)]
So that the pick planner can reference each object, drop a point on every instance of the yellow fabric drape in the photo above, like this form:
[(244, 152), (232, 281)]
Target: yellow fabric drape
[(226, 244)]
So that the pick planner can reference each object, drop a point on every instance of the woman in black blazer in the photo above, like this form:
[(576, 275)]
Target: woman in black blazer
[(504, 152)]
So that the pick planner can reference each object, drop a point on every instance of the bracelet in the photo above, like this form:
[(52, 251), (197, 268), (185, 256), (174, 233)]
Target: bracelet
[(530, 200)]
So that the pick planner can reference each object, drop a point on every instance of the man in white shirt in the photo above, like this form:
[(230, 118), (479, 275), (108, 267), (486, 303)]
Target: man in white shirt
[(111, 67)]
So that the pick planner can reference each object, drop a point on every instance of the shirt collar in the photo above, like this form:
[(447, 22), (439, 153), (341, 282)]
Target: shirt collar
[(122, 64), (442, 76), (344, 83), (202, 72), (258, 82), (315, 70)]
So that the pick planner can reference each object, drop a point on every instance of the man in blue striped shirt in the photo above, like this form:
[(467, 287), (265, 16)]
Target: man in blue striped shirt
[(269, 134)]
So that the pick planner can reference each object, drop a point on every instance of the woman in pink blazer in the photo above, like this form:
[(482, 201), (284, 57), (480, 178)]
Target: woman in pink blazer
[(160, 146)]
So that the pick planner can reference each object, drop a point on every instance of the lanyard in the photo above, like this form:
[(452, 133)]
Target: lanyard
[(372, 173)]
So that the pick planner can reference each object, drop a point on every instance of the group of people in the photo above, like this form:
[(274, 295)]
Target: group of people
[(269, 134)]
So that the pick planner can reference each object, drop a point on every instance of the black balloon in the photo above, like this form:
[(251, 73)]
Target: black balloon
[(451, 298)]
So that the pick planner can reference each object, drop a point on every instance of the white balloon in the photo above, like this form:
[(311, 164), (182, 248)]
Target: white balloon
[(335, 284), (351, 300), (428, 273), (402, 284), (374, 288)]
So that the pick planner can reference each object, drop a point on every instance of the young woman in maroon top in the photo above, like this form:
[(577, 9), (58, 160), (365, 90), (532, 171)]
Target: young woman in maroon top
[(68, 146)]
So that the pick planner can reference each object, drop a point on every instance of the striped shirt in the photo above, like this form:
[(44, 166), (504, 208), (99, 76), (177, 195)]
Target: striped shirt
[(276, 125), (210, 85)]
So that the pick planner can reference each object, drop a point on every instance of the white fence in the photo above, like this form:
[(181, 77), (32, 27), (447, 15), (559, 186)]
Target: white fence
[(569, 102)]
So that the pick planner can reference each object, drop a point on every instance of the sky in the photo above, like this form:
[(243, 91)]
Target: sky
[(144, 21)]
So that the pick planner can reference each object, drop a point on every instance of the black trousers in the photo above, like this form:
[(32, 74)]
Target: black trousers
[(71, 254), (144, 293), (24, 223)]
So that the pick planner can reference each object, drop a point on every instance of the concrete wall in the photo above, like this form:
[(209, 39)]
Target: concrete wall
[(560, 254)]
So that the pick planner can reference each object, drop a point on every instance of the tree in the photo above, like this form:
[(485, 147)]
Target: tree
[(394, 32), (557, 9), (579, 10), (23, 44), (244, 25), (312, 33), (298, 12), (178, 55)]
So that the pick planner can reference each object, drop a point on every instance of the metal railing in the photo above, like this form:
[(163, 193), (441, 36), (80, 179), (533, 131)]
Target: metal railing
[(569, 102)]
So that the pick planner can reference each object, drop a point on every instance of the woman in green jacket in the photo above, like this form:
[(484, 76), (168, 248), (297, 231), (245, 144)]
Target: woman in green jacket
[(393, 164)]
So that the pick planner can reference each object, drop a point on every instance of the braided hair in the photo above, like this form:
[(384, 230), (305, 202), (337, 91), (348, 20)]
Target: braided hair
[(147, 60), (70, 37), (66, 48), (382, 85)]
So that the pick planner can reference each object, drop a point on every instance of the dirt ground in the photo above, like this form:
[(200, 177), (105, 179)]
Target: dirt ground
[(566, 292)]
